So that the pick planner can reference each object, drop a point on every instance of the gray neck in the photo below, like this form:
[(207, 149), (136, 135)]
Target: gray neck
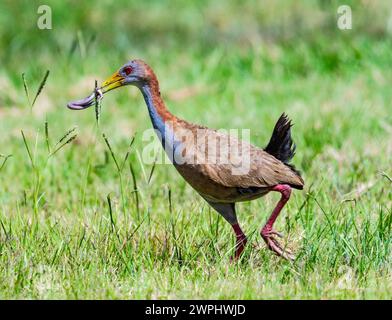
[(157, 121), (163, 131)]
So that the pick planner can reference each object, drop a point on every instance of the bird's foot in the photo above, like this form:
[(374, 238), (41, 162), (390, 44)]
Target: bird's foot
[(273, 244)]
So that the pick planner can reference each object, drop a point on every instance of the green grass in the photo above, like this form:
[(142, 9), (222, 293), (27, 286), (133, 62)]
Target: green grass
[(75, 223)]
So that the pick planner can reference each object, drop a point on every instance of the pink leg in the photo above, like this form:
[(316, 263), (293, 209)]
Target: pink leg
[(227, 210), (268, 233), (241, 241)]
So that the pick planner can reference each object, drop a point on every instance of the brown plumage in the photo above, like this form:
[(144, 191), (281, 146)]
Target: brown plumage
[(216, 182), (219, 174)]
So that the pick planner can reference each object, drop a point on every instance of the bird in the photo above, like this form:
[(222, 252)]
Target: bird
[(217, 179)]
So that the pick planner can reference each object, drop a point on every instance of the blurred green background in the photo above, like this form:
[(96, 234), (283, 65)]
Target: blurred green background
[(223, 64)]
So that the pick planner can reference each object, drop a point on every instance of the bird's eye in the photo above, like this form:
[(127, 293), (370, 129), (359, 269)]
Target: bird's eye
[(127, 70)]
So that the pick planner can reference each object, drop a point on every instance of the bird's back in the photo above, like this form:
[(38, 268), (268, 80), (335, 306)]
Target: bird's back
[(216, 163)]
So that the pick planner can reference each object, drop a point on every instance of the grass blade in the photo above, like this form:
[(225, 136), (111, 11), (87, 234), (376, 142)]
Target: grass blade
[(135, 188), (28, 149), (73, 47), (64, 144), (111, 152), (152, 169), (386, 176), (47, 135), (66, 135), (41, 86), (112, 224), (26, 89), (90, 42), (127, 154), (97, 103), (5, 160)]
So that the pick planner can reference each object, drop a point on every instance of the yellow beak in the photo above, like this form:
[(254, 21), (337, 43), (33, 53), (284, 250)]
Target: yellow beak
[(115, 81)]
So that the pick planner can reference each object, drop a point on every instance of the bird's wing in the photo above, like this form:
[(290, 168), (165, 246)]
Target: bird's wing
[(231, 162)]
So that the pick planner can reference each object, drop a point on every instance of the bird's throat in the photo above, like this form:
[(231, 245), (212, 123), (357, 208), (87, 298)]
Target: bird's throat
[(161, 118)]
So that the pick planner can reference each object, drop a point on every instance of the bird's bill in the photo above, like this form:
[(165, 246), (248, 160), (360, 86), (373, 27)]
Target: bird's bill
[(115, 81)]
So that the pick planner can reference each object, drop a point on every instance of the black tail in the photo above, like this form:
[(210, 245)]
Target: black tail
[(281, 146)]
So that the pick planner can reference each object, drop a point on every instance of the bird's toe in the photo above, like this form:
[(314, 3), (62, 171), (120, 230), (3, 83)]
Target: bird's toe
[(275, 246)]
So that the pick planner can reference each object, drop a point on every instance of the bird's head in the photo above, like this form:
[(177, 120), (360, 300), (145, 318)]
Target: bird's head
[(135, 72)]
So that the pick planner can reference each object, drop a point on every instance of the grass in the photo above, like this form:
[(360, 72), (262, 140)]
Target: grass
[(81, 216)]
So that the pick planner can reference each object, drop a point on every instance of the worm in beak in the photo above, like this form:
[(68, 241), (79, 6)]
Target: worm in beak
[(115, 81), (86, 102)]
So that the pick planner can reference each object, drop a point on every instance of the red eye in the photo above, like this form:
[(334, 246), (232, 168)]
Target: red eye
[(127, 70)]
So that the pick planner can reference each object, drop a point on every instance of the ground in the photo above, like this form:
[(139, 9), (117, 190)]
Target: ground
[(72, 225)]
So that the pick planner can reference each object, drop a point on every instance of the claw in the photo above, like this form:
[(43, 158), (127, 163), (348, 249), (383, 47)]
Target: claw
[(273, 232), (276, 233), (274, 245)]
